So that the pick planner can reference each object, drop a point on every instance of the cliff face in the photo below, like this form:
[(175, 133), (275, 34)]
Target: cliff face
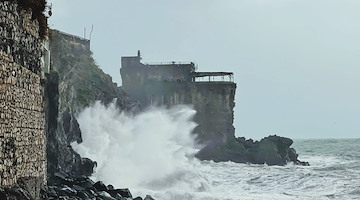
[(80, 82), (213, 102)]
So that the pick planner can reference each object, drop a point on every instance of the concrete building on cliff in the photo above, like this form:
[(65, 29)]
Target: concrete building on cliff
[(211, 93), (22, 114)]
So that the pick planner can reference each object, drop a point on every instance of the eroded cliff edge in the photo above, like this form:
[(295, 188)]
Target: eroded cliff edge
[(75, 82)]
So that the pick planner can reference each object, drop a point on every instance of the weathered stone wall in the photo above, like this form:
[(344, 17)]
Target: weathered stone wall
[(213, 102), (19, 36), (22, 119), (136, 74), (173, 85)]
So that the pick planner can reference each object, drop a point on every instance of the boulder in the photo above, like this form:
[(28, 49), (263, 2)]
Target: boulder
[(148, 197), (272, 150), (100, 186)]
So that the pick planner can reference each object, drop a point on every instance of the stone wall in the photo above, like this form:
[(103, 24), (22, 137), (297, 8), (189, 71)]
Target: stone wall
[(19, 36), (22, 119), (136, 74)]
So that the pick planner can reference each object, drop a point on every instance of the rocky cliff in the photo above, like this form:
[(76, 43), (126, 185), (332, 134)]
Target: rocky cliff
[(74, 83)]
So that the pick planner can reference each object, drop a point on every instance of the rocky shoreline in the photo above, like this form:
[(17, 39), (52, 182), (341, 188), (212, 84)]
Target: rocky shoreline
[(64, 187)]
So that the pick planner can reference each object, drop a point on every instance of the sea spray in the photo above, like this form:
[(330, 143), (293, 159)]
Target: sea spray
[(151, 151)]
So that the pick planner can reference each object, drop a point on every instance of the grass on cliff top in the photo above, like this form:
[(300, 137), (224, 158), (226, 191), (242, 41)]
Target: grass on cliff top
[(82, 81)]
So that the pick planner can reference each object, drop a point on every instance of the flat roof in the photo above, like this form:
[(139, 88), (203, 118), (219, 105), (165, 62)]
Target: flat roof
[(204, 74)]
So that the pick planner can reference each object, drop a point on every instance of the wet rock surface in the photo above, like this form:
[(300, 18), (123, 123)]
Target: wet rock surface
[(14, 193), (63, 186), (272, 150)]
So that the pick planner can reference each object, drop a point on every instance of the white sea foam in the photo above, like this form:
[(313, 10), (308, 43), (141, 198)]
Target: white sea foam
[(153, 150), (152, 153)]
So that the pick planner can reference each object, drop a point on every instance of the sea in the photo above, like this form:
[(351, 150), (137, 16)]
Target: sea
[(334, 173), (152, 154)]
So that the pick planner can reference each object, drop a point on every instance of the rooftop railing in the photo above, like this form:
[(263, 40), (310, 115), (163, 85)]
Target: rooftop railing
[(213, 76)]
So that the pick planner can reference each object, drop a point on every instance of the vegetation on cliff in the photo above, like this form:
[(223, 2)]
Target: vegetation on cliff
[(80, 83)]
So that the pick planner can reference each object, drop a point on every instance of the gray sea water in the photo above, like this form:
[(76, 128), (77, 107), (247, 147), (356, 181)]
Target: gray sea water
[(334, 174)]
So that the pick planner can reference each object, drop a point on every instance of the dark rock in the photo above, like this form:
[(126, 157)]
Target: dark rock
[(115, 194), (148, 197), (52, 191), (14, 193), (83, 195), (292, 154), (66, 190), (78, 188), (87, 166), (63, 187), (100, 186), (125, 193), (272, 150), (71, 127), (87, 184), (138, 198), (106, 196), (302, 163)]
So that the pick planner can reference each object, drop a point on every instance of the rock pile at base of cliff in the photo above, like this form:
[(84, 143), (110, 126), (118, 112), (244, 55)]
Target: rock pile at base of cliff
[(62, 186)]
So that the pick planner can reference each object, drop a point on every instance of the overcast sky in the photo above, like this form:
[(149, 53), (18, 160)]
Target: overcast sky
[(296, 62)]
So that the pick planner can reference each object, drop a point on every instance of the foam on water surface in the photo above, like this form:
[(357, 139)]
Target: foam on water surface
[(152, 153)]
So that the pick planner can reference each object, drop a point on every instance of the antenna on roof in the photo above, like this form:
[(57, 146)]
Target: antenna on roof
[(139, 54), (92, 28), (84, 32)]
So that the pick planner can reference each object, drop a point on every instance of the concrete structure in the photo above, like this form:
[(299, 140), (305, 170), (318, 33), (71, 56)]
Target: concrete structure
[(22, 118), (176, 83)]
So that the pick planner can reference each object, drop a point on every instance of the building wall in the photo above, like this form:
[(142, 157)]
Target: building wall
[(22, 119), (213, 101), (136, 74)]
